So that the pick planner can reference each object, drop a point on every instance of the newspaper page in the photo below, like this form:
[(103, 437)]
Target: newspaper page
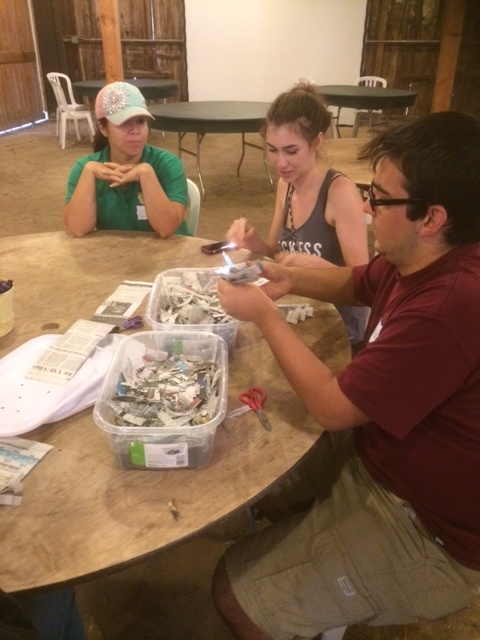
[(123, 302), (17, 458), (67, 354)]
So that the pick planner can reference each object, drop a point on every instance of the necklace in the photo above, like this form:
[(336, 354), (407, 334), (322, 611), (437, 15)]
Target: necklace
[(291, 189)]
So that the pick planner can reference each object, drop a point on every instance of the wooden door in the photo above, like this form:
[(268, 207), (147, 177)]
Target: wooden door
[(405, 40), (402, 44), (152, 36), (21, 100), (466, 88), (50, 45)]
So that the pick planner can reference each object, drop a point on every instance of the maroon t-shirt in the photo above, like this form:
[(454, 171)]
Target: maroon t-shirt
[(418, 380)]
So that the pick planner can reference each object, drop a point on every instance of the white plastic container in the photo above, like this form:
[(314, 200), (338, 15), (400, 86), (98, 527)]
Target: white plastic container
[(160, 297), (162, 447)]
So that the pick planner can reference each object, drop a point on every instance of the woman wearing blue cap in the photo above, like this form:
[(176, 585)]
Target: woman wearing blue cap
[(125, 184)]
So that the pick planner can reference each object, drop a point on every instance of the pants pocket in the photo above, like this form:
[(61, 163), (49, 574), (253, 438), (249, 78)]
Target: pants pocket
[(343, 592)]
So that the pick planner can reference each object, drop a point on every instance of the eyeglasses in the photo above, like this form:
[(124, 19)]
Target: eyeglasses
[(379, 202)]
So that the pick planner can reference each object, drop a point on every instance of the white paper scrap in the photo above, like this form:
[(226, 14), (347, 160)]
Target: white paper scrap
[(67, 354), (18, 456), (123, 302)]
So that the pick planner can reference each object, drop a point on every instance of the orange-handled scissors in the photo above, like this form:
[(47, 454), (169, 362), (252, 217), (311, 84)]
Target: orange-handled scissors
[(254, 398)]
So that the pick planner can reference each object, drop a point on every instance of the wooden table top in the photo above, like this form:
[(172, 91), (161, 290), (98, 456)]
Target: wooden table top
[(81, 515)]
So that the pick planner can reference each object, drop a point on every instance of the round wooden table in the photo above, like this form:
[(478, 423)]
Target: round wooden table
[(82, 515), (151, 88), (212, 117)]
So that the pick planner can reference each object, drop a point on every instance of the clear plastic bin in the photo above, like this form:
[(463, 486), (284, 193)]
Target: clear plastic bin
[(161, 447), (160, 297)]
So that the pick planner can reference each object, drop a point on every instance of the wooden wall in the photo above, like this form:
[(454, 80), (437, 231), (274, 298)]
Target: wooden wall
[(21, 96), (152, 40), (50, 46), (466, 90), (402, 43)]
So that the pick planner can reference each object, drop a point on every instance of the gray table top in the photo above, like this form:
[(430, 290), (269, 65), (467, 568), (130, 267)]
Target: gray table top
[(210, 116), (355, 97), (151, 88)]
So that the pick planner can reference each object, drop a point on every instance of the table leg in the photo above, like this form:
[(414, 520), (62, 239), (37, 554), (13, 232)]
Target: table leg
[(195, 153), (179, 143), (255, 146), (251, 522), (200, 137)]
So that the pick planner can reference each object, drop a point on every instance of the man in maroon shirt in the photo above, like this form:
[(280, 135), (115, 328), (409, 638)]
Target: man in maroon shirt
[(393, 534)]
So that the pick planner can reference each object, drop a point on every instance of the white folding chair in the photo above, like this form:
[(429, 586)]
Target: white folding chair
[(363, 115), (68, 109), (193, 207), (305, 80)]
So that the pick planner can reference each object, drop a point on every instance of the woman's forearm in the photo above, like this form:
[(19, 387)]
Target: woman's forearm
[(164, 215), (80, 213)]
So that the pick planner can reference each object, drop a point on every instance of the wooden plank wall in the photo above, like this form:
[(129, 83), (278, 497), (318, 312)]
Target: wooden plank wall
[(466, 89), (152, 39), (21, 100), (402, 42)]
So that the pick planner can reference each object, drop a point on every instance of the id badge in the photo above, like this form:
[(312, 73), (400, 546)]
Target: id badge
[(141, 212)]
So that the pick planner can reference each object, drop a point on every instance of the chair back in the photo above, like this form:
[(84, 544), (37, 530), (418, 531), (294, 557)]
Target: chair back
[(67, 108), (305, 80), (367, 114), (54, 79), (334, 111), (193, 207), (65, 101), (371, 81)]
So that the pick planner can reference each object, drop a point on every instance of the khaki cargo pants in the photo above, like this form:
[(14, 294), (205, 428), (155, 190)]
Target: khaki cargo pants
[(358, 555)]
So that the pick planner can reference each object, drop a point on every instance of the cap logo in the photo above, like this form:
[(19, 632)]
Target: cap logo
[(114, 100)]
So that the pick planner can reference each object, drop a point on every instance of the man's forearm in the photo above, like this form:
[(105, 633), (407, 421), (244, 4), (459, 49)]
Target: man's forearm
[(311, 379), (331, 284)]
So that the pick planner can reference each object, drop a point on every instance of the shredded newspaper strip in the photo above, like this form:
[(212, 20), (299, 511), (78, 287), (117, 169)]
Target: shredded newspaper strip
[(190, 297), (295, 313), (17, 458), (164, 391), (66, 355), (241, 273), (123, 302)]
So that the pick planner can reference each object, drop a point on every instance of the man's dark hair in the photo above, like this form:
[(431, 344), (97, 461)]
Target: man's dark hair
[(439, 155)]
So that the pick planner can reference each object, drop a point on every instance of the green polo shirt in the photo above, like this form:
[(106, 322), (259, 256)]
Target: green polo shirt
[(122, 208)]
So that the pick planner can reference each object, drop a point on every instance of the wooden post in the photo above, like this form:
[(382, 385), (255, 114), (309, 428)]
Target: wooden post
[(112, 48), (451, 38)]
